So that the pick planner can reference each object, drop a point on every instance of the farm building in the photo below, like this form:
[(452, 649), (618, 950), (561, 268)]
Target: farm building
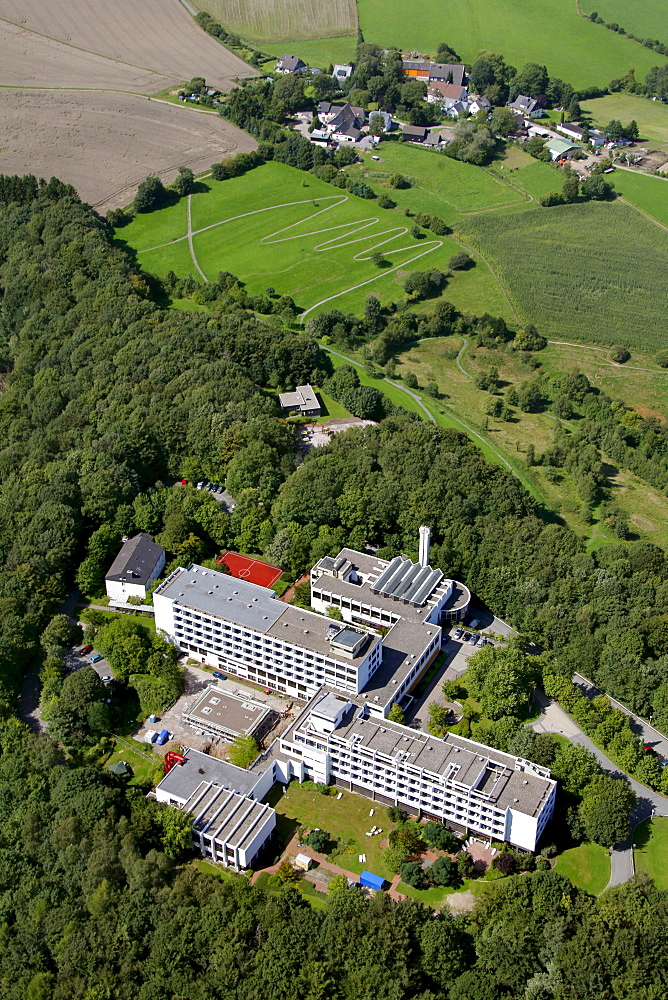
[(290, 65), (414, 133), (431, 71), (388, 124), (139, 562), (560, 148)]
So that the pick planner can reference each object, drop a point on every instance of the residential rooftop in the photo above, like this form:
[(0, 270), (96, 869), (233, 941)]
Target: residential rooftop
[(136, 560)]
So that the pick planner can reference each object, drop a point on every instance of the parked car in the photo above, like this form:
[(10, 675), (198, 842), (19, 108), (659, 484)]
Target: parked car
[(481, 640), (473, 640), (107, 677), (466, 636), (458, 633), (475, 623), (96, 658), (162, 737), (84, 650), (221, 677)]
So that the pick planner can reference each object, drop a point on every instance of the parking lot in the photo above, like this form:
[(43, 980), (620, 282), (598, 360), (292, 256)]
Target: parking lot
[(75, 661)]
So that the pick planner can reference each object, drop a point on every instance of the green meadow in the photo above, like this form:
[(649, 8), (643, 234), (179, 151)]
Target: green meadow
[(549, 32), (279, 227), (646, 20), (650, 194), (651, 116)]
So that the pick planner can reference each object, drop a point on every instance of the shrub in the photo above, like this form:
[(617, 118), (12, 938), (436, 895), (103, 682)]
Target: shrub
[(439, 837), (319, 840), (151, 194), (461, 262), (399, 181), (412, 873), (384, 201), (620, 355), (396, 815), (505, 863)]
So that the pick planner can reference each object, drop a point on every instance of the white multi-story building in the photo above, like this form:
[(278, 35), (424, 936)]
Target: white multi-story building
[(238, 626), (471, 787), (372, 591)]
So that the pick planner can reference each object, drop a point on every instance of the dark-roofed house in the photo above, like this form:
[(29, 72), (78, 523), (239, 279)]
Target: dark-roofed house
[(139, 562), (414, 133), (526, 106), (422, 69), (290, 64)]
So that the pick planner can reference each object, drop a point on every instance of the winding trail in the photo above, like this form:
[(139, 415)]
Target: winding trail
[(347, 237), (190, 243), (609, 364), (462, 352)]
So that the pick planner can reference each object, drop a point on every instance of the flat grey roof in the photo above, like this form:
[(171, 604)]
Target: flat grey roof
[(184, 778), (463, 761), (136, 560), (219, 708), (312, 631), (402, 648), (223, 596), (330, 706)]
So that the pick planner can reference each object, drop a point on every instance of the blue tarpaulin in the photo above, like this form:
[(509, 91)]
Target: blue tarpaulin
[(371, 881)]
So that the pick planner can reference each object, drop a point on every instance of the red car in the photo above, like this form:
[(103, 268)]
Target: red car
[(84, 650)]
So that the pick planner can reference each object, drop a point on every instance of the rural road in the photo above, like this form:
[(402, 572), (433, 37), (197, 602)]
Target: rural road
[(553, 719)]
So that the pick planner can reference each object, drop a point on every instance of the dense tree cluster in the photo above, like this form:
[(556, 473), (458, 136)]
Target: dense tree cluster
[(106, 394)]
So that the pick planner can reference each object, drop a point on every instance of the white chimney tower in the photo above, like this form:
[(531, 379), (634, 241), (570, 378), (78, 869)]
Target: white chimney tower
[(425, 539)]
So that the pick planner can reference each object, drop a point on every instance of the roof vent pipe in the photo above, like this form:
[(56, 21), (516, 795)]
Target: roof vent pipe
[(425, 540)]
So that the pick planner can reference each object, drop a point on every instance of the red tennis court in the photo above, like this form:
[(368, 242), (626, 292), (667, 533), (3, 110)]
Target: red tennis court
[(245, 568)]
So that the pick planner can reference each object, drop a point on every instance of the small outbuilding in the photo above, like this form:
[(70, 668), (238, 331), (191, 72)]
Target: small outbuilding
[(303, 862), (371, 881), (302, 401)]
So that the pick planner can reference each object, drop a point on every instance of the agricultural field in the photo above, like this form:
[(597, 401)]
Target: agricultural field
[(651, 116), (317, 51), (592, 272), (646, 20), (106, 143), (50, 45), (551, 32), (648, 193), (278, 226), (272, 20)]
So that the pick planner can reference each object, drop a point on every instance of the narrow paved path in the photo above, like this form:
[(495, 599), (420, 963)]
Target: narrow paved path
[(462, 352)]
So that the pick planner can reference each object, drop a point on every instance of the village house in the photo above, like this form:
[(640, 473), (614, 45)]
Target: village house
[(526, 106), (290, 65), (431, 72)]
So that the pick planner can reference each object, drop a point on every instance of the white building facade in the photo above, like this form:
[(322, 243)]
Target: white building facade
[(232, 624), (470, 787), (139, 562)]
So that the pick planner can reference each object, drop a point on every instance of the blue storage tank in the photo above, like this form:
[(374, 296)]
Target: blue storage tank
[(371, 881)]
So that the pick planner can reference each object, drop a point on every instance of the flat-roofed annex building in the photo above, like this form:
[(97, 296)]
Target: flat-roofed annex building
[(471, 787), (223, 715), (303, 401), (230, 824)]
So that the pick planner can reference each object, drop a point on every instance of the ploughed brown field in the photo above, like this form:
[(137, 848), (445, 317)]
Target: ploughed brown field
[(80, 67), (140, 45), (106, 143)]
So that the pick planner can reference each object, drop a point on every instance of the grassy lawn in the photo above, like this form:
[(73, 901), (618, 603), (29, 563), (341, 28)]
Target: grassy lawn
[(208, 868), (147, 622), (347, 818), (318, 51), (550, 33), (598, 264), (649, 193), (140, 758), (587, 867), (651, 853), (279, 226), (651, 116)]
